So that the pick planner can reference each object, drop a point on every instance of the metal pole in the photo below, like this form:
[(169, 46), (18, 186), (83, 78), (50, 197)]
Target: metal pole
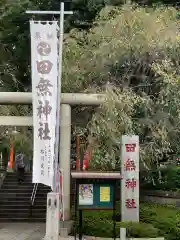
[(61, 32)]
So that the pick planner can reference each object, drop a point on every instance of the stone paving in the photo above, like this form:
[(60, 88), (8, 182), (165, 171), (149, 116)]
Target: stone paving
[(36, 231), (22, 231)]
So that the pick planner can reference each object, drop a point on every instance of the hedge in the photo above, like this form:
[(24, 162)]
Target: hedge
[(162, 217), (155, 221), (170, 179)]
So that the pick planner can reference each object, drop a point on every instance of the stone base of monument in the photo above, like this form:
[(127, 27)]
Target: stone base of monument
[(63, 232), (65, 228), (59, 238)]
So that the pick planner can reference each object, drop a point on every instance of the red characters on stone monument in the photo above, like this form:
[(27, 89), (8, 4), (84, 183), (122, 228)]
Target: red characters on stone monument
[(129, 165), (130, 203)]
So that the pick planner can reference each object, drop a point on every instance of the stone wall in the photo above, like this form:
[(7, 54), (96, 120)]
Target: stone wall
[(161, 197)]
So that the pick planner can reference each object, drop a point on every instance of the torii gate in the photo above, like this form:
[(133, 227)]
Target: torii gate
[(67, 100)]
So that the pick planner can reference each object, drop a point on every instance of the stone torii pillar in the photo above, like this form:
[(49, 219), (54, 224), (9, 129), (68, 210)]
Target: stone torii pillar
[(65, 151)]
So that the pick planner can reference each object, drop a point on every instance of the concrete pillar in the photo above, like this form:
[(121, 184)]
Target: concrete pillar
[(52, 225), (65, 148)]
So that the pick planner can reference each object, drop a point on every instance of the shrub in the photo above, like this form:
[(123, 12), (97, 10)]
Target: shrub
[(162, 217), (170, 179), (100, 224), (155, 221)]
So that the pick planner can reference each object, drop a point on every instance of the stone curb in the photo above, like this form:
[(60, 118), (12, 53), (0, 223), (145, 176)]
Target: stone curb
[(99, 238)]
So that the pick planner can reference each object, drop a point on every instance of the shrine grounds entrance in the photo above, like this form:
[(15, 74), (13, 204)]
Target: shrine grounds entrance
[(67, 100)]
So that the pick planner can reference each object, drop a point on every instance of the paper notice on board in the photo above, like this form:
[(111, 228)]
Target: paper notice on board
[(104, 194), (86, 194)]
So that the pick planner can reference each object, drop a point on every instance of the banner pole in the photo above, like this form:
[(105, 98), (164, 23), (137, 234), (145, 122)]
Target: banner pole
[(57, 145)]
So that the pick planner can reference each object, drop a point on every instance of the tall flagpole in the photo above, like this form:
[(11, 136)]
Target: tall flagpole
[(57, 145)]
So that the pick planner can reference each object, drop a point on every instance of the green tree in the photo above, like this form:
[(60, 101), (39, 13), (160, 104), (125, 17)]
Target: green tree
[(131, 54), (14, 33)]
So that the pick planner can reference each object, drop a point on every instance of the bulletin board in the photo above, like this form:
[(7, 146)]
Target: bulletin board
[(95, 196)]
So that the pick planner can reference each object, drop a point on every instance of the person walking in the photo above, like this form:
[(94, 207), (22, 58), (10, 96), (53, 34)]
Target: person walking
[(20, 167)]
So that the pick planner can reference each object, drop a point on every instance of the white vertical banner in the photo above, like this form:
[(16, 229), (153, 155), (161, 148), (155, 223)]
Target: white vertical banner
[(44, 70), (130, 178)]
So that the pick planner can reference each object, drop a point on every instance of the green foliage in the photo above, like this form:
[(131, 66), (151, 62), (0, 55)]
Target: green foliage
[(116, 49), (22, 138), (23, 143), (14, 33), (154, 221), (166, 179), (163, 218), (131, 55)]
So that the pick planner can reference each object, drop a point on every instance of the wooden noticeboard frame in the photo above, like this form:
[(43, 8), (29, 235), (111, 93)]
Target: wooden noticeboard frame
[(102, 195), (98, 193)]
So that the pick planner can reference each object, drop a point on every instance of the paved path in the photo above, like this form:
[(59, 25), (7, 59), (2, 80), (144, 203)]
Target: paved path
[(22, 231), (36, 231)]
